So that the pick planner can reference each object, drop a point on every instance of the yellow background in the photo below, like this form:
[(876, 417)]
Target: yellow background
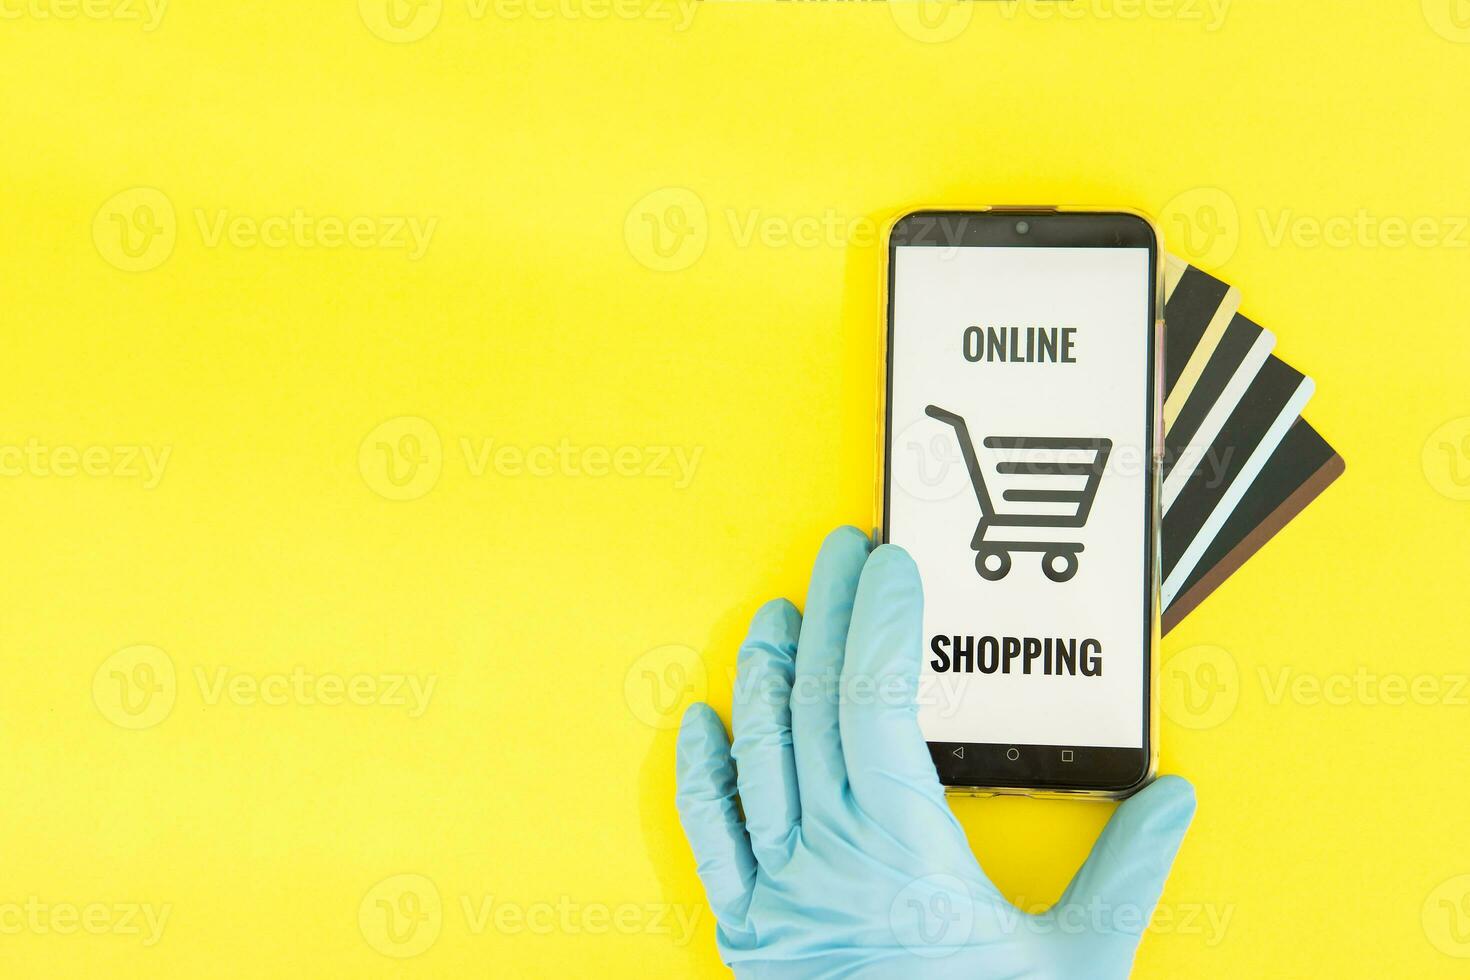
[(544, 605)]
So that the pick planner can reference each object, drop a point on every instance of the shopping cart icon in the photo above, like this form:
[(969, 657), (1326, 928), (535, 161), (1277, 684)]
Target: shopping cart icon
[(1048, 471)]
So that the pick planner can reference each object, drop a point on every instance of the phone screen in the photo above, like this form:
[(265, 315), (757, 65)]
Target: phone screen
[(1020, 461)]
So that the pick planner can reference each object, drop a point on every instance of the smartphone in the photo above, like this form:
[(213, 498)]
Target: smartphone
[(1021, 453)]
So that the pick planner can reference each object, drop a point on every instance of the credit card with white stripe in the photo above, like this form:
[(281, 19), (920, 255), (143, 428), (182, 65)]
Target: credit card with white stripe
[(1301, 468), (1197, 308), (1223, 381), (1204, 494)]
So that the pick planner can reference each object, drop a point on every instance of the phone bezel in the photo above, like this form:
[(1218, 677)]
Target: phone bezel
[(1037, 769)]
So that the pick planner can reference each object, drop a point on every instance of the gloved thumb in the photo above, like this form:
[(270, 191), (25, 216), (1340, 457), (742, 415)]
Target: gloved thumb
[(1124, 875)]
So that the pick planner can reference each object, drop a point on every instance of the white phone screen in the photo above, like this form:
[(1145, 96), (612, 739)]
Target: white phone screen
[(1019, 466)]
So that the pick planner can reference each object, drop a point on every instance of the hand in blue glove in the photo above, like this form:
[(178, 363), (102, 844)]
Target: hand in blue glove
[(848, 861)]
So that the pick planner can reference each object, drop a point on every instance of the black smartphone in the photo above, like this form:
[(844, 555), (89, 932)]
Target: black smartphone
[(1021, 451)]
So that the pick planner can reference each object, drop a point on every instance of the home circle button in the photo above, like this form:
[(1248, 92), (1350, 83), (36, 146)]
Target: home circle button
[(1013, 754)]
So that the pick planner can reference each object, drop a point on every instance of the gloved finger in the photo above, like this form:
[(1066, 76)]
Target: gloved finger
[(764, 761), (1126, 870), (820, 773), (888, 764), (706, 801)]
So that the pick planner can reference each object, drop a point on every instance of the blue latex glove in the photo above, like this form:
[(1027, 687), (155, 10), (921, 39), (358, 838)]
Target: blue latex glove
[(848, 862)]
